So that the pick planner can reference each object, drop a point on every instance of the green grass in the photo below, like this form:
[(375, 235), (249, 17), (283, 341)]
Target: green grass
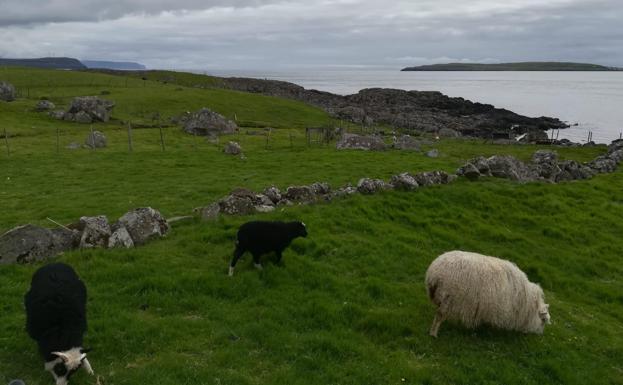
[(349, 305)]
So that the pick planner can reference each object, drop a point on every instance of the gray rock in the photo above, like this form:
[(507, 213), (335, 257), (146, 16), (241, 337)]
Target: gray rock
[(344, 191), (572, 170), (406, 143), (469, 171), (69, 117), (448, 133), (434, 153), (320, 188), (7, 91), (57, 114), (545, 164), (237, 205), (82, 117), (96, 139), (509, 167), (433, 178), (301, 194), (95, 232), (29, 243), (616, 156), (358, 142), (232, 148), (120, 237), (615, 145), (544, 156), (404, 181), (144, 224), (273, 194), (209, 213), (44, 105), (603, 164), (262, 200), (264, 209), (372, 186), (351, 113), (99, 110), (206, 122)]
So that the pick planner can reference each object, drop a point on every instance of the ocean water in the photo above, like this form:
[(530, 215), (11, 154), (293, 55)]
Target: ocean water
[(592, 100)]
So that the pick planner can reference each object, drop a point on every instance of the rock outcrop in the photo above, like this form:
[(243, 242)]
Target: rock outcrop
[(144, 224), (232, 148), (359, 142), (7, 91), (208, 123), (96, 139), (29, 243)]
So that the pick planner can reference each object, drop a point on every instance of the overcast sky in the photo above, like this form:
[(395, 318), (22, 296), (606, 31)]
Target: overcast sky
[(278, 34)]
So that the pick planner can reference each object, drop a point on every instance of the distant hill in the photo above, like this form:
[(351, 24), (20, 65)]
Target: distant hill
[(524, 66), (65, 63), (114, 65)]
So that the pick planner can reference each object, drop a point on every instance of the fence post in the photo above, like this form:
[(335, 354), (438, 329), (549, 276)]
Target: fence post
[(6, 140), (291, 145), (92, 139), (161, 136), (130, 136)]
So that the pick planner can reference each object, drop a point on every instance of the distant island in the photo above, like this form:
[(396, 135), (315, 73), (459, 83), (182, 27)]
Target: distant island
[(523, 66), (64, 63), (114, 65)]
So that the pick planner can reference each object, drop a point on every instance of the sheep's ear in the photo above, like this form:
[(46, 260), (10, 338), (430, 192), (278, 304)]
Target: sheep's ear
[(62, 356)]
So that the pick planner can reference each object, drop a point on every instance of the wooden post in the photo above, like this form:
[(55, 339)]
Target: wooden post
[(92, 139), (161, 136), (130, 136), (557, 133), (621, 135), (6, 140), (291, 145)]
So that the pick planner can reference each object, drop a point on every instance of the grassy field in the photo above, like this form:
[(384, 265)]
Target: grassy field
[(348, 306)]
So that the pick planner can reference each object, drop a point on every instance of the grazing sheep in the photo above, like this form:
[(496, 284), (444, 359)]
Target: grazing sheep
[(56, 319), (476, 289), (260, 237)]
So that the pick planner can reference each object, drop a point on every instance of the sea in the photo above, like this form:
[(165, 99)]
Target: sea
[(592, 102)]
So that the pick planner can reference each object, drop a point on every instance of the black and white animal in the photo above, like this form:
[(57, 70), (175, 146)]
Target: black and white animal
[(261, 237), (56, 319)]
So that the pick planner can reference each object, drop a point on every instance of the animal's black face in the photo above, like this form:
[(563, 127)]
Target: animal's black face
[(302, 229), (67, 363), (62, 373)]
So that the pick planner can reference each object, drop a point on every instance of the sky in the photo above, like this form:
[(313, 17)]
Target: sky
[(291, 34)]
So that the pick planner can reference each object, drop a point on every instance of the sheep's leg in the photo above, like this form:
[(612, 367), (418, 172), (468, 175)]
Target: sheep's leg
[(439, 318), (237, 254), (256, 261)]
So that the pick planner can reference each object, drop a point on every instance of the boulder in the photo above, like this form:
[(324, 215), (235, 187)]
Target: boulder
[(372, 186), (545, 164), (434, 153), (448, 133), (7, 91), (603, 164), (237, 205), (433, 178), (120, 237), (98, 110), (572, 170), (95, 232), (82, 117), (144, 224), (470, 171), (273, 194), (301, 194), (57, 114), (509, 167), (406, 143), (95, 139), (359, 142), (208, 123), (344, 191), (44, 105), (404, 181), (232, 148), (320, 188), (209, 213), (31, 243)]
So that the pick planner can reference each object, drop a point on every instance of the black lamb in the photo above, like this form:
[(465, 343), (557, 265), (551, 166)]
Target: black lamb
[(261, 237), (56, 319)]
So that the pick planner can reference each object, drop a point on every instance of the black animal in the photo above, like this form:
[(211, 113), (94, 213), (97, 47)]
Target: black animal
[(56, 319), (260, 237)]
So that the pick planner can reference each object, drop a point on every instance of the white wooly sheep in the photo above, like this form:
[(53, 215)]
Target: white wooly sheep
[(477, 289)]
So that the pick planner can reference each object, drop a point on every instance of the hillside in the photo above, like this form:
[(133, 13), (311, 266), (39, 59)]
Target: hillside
[(523, 66), (113, 65), (348, 304), (64, 63)]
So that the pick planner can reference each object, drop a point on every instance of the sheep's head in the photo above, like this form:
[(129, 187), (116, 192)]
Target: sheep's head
[(302, 229), (67, 363)]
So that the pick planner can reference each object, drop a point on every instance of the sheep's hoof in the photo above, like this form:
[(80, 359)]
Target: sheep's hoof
[(231, 271), (258, 266)]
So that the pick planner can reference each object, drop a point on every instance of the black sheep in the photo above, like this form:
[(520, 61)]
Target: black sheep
[(56, 319), (261, 237)]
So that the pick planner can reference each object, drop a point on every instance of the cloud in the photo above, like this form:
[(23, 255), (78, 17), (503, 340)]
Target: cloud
[(291, 33)]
